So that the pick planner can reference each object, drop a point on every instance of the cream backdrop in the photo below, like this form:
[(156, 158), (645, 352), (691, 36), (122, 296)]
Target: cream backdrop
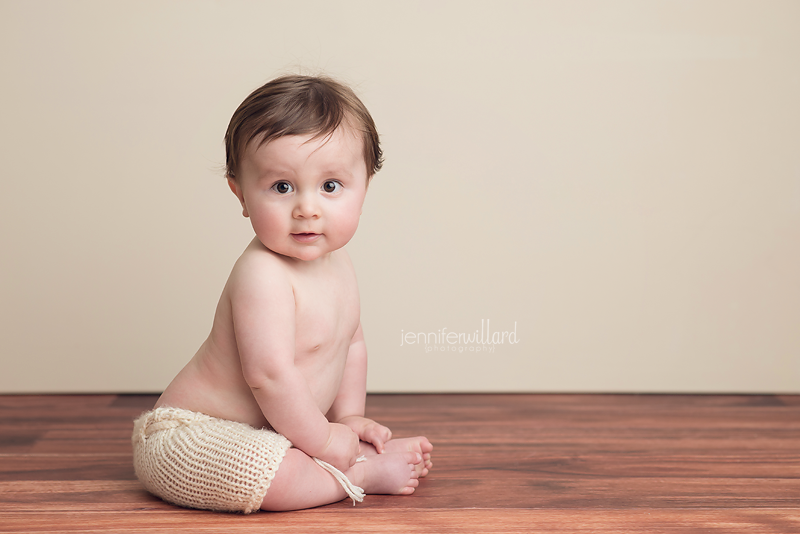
[(616, 184)]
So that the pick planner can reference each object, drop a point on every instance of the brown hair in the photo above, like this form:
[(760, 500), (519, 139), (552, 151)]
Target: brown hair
[(299, 105)]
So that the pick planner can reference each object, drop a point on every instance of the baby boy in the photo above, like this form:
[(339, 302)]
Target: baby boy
[(269, 413)]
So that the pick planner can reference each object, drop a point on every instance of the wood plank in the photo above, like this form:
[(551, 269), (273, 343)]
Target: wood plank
[(503, 463), (415, 521), (486, 492)]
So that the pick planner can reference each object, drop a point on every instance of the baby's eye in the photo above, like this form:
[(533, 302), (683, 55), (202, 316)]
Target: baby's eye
[(283, 188), (331, 186)]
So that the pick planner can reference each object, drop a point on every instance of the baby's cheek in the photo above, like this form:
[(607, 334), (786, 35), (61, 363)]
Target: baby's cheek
[(349, 226)]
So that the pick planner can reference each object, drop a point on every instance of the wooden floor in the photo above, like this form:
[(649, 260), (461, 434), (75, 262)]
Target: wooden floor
[(503, 463)]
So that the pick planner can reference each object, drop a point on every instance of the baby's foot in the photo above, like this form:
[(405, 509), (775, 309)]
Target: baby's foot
[(419, 444), (390, 473)]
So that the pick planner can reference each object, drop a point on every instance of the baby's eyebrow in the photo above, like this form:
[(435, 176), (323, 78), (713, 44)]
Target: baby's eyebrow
[(271, 173), (337, 171)]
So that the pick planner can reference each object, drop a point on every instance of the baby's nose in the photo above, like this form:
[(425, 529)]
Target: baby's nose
[(306, 207)]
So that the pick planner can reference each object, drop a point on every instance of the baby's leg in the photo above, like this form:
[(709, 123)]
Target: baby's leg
[(301, 483), (419, 444)]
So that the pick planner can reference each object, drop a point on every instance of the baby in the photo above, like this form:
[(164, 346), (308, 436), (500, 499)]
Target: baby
[(269, 414)]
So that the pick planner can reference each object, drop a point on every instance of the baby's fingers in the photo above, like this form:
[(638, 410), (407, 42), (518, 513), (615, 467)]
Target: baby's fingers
[(378, 435)]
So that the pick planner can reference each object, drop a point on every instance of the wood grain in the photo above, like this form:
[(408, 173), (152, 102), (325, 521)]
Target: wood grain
[(503, 463)]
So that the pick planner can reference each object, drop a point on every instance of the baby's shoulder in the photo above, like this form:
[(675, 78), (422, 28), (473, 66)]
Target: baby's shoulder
[(259, 271)]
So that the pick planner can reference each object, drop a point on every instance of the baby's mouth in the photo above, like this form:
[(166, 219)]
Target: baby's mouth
[(305, 237)]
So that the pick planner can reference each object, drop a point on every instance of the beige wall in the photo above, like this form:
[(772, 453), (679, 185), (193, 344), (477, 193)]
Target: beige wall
[(619, 181)]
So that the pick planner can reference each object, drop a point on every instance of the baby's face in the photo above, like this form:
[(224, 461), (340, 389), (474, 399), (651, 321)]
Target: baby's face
[(303, 196)]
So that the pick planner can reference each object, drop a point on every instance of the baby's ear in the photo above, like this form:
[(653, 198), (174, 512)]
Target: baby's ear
[(237, 190)]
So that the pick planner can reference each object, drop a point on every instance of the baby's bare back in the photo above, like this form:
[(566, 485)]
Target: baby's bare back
[(326, 316)]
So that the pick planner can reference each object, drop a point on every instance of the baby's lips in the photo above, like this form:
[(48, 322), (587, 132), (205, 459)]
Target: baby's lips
[(305, 237)]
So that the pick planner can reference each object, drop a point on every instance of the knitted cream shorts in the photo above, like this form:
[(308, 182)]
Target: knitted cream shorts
[(199, 461)]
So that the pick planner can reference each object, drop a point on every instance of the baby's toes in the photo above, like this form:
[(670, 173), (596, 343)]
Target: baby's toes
[(422, 444), (418, 466), (412, 485), (419, 470), (425, 466), (414, 459)]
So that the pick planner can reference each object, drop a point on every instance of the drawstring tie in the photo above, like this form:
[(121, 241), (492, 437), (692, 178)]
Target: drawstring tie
[(353, 491)]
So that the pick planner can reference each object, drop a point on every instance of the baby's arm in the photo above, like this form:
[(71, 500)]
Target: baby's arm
[(263, 309), (348, 407)]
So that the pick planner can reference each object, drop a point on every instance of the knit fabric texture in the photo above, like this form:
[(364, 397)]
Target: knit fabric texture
[(198, 461)]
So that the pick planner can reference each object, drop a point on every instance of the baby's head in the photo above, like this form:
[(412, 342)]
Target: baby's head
[(299, 105)]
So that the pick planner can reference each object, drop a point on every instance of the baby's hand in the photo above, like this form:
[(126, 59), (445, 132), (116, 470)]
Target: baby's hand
[(342, 448), (369, 431), (376, 434)]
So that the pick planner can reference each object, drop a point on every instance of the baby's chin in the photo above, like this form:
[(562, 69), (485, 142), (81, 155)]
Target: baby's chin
[(307, 254), (310, 256)]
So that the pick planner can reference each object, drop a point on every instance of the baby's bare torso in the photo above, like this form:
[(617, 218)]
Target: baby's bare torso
[(326, 318)]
